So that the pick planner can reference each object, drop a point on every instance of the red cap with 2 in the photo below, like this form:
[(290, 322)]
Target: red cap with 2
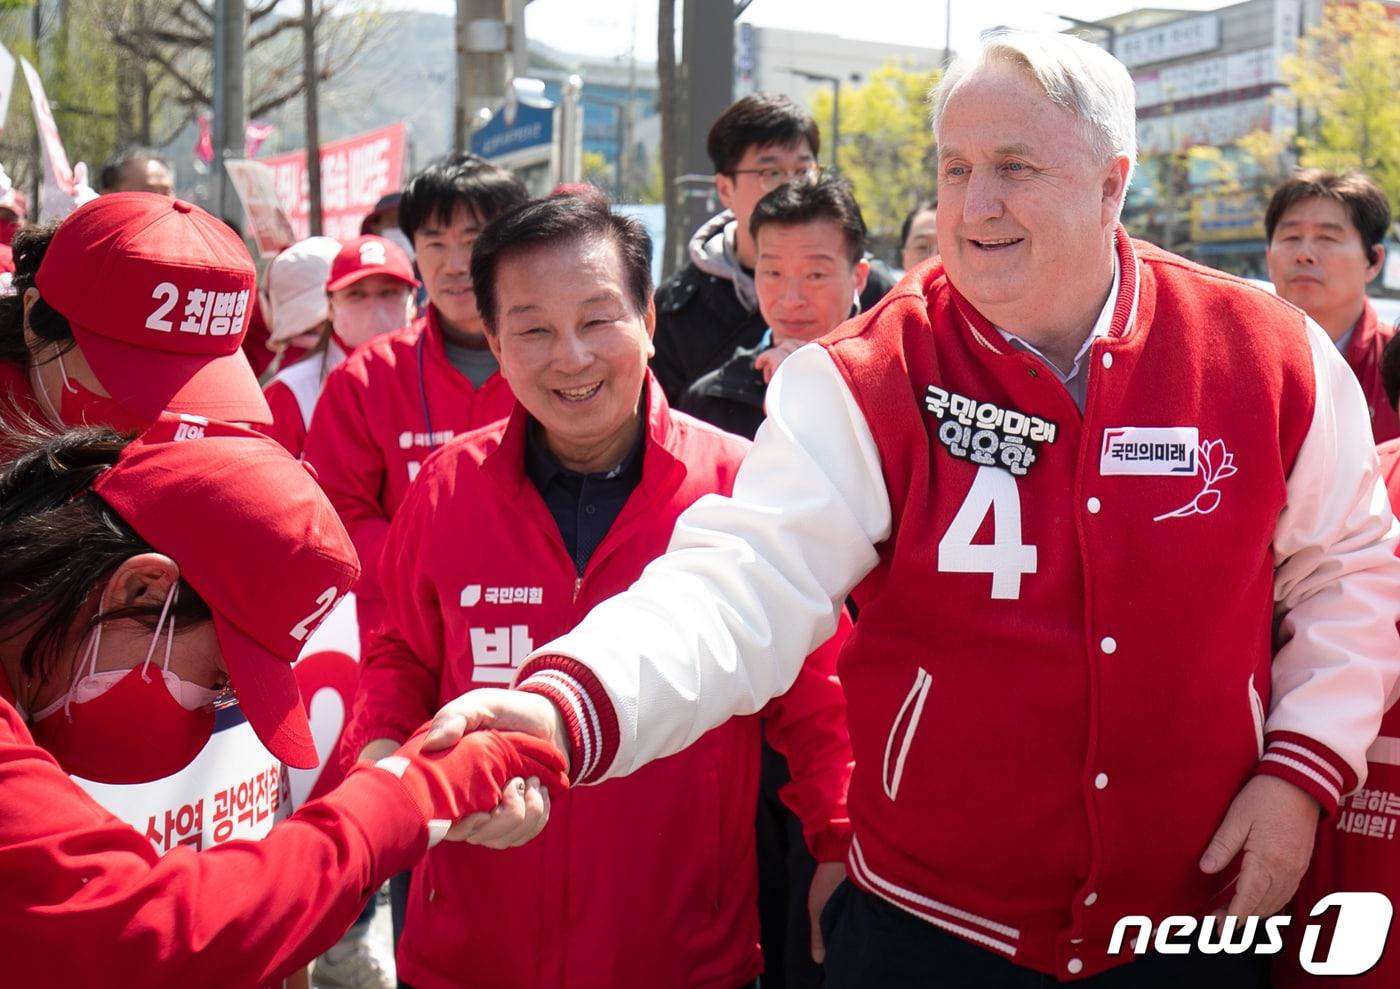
[(369, 255), (157, 292), (257, 540)]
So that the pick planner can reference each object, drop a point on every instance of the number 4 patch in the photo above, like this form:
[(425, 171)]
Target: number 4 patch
[(1006, 558)]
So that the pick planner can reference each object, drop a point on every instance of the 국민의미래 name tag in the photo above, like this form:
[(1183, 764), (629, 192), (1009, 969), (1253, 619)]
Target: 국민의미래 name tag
[(1149, 450)]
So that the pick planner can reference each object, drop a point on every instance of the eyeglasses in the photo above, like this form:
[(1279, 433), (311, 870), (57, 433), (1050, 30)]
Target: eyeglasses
[(770, 178)]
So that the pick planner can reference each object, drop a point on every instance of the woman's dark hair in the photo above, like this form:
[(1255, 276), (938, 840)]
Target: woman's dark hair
[(799, 203), (924, 206), (461, 179), (560, 219), (59, 542), (30, 245)]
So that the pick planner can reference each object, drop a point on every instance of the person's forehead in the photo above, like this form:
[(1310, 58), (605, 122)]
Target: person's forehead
[(595, 264), (465, 219), (1004, 99), (1318, 211), (817, 237), (759, 155), (925, 223)]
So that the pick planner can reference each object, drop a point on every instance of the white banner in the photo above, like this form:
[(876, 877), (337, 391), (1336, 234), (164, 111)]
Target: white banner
[(7, 84), (255, 183), (56, 167)]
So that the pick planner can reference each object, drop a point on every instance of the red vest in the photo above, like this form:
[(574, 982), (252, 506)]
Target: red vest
[(1057, 681)]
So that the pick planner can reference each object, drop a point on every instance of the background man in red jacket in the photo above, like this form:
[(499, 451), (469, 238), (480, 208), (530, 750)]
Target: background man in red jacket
[(1124, 564), (509, 536), (1326, 233)]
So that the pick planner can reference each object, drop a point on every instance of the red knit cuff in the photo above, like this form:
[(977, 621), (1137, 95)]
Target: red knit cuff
[(588, 712), (1309, 765), (833, 842)]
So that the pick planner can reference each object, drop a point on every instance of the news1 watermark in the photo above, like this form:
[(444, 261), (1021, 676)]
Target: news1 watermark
[(1358, 936)]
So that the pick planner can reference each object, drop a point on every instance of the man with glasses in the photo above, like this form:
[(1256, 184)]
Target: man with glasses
[(709, 308)]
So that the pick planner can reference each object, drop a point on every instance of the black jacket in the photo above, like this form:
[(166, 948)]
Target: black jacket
[(700, 323), (731, 396)]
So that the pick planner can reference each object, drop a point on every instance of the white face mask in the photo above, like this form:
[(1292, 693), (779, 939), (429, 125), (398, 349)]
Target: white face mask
[(93, 684), (356, 323)]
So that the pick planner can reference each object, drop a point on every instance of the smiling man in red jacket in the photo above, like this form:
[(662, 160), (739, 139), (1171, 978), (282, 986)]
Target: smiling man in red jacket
[(509, 535), (1124, 564)]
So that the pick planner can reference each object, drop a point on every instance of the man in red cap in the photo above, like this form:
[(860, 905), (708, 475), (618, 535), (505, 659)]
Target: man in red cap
[(155, 526), (369, 292), (137, 304)]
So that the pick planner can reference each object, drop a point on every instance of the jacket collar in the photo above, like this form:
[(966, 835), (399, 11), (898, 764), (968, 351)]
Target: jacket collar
[(1365, 335), (1120, 324), (660, 445)]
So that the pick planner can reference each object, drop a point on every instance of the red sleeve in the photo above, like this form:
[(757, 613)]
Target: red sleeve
[(350, 466), (807, 724), (401, 671), (287, 426), (87, 898)]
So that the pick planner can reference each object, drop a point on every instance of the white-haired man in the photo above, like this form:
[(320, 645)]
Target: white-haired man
[(1124, 567)]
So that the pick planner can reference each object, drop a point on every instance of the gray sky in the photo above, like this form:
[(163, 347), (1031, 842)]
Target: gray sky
[(605, 27)]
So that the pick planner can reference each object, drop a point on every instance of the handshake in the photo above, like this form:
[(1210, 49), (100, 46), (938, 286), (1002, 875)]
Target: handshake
[(482, 769)]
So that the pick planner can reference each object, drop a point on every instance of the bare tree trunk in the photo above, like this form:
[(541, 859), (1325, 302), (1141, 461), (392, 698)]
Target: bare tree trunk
[(666, 93)]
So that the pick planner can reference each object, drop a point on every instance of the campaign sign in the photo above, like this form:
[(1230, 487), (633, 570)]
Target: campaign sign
[(355, 173)]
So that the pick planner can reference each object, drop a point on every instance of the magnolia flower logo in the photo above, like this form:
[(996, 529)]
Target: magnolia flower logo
[(1216, 465)]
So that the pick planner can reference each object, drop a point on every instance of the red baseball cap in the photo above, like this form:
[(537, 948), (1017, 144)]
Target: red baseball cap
[(158, 293), (255, 537), (367, 255)]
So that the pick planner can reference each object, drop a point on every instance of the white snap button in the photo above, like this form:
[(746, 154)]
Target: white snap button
[(1091, 899), (1101, 780), (1076, 940), (1109, 644), (1107, 359), (1075, 966), (1094, 505)]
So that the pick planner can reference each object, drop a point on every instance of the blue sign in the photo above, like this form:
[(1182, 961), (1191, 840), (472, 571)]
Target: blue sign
[(529, 127)]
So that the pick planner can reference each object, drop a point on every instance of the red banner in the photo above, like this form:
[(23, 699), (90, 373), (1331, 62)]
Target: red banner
[(355, 172)]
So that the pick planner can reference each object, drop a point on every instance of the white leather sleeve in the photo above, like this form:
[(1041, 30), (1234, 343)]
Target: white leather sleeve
[(750, 584), (1336, 585)]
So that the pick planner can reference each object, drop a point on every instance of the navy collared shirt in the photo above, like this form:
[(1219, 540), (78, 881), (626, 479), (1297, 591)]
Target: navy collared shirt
[(584, 506)]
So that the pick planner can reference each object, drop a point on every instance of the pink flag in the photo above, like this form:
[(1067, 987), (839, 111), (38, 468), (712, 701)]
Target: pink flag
[(254, 135), (204, 144)]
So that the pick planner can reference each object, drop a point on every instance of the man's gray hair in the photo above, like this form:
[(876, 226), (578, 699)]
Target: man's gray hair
[(1081, 77)]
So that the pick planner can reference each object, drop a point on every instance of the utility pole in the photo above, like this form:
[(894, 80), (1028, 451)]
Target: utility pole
[(483, 62), (705, 89), (230, 26), (313, 122)]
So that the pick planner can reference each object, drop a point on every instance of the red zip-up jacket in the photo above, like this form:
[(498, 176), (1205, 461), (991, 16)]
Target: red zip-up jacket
[(381, 413), (1368, 340), (650, 881), (88, 901)]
